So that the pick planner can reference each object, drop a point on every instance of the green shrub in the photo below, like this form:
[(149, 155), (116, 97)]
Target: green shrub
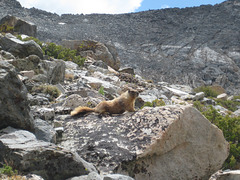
[(8, 170), (5, 28), (101, 90), (198, 105), (230, 127), (209, 91), (158, 102), (47, 89), (232, 162), (87, 45), (154, 103), (228, 104), (79, 60), (31, 38), (147, 104), (236, 97), (57, 51)]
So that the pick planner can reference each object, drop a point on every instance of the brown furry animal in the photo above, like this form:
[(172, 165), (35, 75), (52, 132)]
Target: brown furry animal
[(119, 105)]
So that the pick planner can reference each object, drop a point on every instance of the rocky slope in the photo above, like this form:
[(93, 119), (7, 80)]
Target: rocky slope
[(37, 93), (194, 46), (154, 142)]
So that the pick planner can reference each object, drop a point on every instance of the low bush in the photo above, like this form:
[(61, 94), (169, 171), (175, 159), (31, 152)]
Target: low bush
[(5, 28), (101, 90), (8, 170), (209, 91), (230, 127), (47, 89), (57, 51), (231, 105), (155, 103)]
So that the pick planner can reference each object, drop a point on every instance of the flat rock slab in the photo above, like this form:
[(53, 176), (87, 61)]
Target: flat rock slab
[(30, 155), (14, 106), (153, 143)]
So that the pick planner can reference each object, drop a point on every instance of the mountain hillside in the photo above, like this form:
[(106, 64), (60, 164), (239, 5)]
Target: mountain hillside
[(195, 46)]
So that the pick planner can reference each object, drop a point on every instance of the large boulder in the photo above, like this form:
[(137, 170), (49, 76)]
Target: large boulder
[(27, 64), (170, 142), (29, 155), (19, 25), (54, 70), (45, 71), (14, 108), (96, 50), (20, 48), (44, 131), (11, 3)]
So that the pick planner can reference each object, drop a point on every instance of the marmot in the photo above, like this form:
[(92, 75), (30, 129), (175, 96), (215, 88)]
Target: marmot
[(119, 105)]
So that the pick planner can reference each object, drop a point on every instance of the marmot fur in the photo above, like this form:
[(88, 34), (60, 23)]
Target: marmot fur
[(119, 105)]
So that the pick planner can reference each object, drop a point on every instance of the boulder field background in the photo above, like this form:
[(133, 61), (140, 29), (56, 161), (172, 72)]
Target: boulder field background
[(195, 46), (41, 140)]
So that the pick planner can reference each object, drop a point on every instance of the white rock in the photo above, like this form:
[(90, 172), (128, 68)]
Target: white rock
[(226, 175), (223, 111), (222, 96), (236, 113), (28, 74), (199, 96), (176, 91), (71, 65)]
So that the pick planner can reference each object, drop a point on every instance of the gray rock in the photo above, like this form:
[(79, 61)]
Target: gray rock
[(150, 95), (20, 48), (208, 101), (223, 111), (73, 101), (184, 88), (96, 50), (6, 55), (71, 65), (96, 176), (27, 177), (100, 64), (45, 113), (27, 64), (187, 97), (90, 176), (14, 4), (236, 113), (33, 177), (14, 105), (117, 177), (152, 143), (157, 41), (28, 74), (39, 99), (44, 131), (176, 92), (226, 175), (20, 25), (40, 78), (54, 70), (199, 96), (128, 70), (38, 157), (61, 88), (223, 96), (59, 131)]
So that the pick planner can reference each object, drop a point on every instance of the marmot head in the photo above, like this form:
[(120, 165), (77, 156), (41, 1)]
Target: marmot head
[(133, 93)]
